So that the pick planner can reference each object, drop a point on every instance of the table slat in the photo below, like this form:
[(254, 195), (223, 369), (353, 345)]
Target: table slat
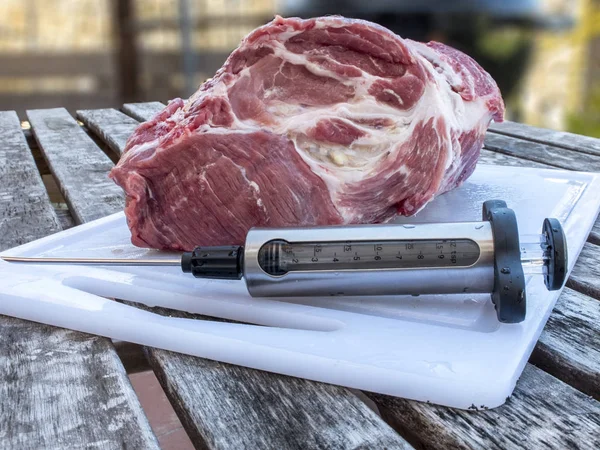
[(111, 125), (293, 413), (543, 412), (500, 159), (59, 387), (543, 153), (570, 141), (25, 210), (78, 165), (143, 111), (218, 403), (585, 276), (62, 388), (569, 347)]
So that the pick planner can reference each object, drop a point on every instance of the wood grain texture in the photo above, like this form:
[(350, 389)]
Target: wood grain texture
[(225, 406), (500, 159), (78, 165), (543, 153), (569, 346), (237, 407), (543, 412), (143, 111), (555, 138), (112, 126), (64, 389), (25, 210), (59, 388), (585, 276), (72, 101)]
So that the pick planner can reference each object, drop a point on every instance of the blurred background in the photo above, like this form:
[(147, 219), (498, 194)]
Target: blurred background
[(80, 54)]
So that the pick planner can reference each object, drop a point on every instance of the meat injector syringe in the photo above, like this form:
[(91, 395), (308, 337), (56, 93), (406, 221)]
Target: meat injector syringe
[(386, 259)]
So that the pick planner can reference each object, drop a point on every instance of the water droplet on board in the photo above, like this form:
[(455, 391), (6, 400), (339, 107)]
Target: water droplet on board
[(408, 226)]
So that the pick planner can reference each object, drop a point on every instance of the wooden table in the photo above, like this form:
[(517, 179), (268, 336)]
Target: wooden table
[(64, 389)]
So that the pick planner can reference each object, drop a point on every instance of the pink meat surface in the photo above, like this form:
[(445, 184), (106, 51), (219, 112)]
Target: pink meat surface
[(309, 122)]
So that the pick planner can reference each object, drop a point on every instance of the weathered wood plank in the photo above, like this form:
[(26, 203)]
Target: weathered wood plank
[(555, 138), (79, 166), (112, 126), (143, 111), (59, 388), (71, 101), (543, 153), (569, 346), (217, 402), (585, 276), (500, 159), (293, 413), (62, 388), (25, 210), (543, 412)]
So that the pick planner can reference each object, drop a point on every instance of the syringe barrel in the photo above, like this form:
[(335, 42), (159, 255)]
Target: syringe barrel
[(334, 278)]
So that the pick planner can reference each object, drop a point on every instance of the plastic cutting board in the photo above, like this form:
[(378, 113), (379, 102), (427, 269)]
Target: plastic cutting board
[(449, 350)]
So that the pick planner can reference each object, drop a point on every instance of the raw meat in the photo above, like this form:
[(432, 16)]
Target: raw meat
[(309, 122)]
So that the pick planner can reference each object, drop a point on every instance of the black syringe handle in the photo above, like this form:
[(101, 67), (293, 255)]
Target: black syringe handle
[(508, 295), (223, 263), (558, 257)]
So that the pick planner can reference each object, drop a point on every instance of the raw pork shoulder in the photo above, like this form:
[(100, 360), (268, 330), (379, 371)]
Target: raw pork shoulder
[(309, 122)]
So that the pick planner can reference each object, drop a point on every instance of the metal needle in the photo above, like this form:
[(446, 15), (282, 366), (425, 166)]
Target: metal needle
[(98, 261)]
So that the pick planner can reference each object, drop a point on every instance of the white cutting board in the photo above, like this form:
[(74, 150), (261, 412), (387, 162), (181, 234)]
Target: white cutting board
[(448, 350)]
